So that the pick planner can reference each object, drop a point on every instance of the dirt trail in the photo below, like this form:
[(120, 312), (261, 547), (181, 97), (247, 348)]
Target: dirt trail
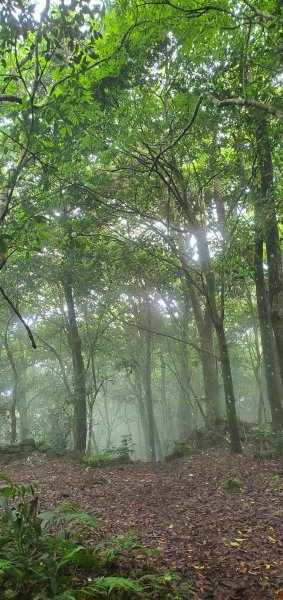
[(229, 544)]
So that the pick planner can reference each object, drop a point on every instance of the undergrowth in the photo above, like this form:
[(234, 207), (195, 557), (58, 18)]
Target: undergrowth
[(121, 453), (266, 442), (42, 555)]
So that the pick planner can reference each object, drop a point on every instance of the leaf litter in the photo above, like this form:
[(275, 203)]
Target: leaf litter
[(228, 545)]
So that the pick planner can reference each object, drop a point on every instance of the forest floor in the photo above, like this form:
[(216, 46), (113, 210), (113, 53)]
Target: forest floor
[(228, 544)]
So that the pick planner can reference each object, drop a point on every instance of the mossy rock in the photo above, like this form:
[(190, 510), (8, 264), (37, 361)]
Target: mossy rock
[(28, 442), (43, 446), (51, 453), (234, 485), (209, 439)]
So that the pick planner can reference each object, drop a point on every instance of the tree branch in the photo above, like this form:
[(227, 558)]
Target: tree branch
[(10, 98), (182, 134), (261, 13), (188, 342), (19, 317), (249, 102)]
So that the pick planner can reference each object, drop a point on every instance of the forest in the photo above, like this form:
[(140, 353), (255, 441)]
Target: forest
[(141, 230)]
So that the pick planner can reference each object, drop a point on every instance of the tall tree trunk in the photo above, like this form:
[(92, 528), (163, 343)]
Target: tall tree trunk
[(90, 405), (13, 418), (266, 209), (218, 320), (80, 403), (94, 442), (138, 390), (204, 323), (228, 389), (148, 383), (272, 375), (256, 363), (22, 403), (185, 415), (158, 444), (166, 413), (215, 412)]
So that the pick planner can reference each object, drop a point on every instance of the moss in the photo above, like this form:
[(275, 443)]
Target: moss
[(234, 485)]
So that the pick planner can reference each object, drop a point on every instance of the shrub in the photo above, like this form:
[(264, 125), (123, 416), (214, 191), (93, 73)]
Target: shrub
[(114, 454), (42, 556), (266, 442)]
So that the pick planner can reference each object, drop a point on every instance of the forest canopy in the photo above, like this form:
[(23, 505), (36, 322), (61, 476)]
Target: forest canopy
[(140, 221)]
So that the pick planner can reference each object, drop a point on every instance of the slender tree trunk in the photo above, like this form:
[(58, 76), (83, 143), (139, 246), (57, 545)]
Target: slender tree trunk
[(256, 363), (90, 405), (141, 407), (80, 403), (266, 210), (148, 383), (158, 444), (218, 320), (272, 376), (22, 404), (13, 418), (204, 323), (228, 389), (94, 442), (261, 415), (163, 400), (185, 416), (215, 410)]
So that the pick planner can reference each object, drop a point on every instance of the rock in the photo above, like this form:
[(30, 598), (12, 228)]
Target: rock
[(43, 446), (209, 439), (28, 442), (51, 453)]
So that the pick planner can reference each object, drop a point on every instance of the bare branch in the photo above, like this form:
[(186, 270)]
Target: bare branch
[(182, 134), (10, 98), (187, 342)]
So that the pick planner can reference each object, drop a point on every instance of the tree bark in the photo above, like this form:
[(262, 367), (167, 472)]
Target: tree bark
[(205, 326), (80, 401), (13, 419), (148, 384), (22, 403), (228, 389), (141, 407), (158, 444), (218, 320), (267, 221), (272, 375)]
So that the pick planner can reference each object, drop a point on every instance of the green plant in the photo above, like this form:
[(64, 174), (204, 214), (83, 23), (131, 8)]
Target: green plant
[(126, 447), (42, 555), (114, 454), (266, 442)]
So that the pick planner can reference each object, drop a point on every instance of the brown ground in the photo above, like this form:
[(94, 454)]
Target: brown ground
[(228, 544)]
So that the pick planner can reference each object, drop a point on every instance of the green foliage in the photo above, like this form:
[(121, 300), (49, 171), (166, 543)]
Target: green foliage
[(114, 454), (42, 555), (266, 442)]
